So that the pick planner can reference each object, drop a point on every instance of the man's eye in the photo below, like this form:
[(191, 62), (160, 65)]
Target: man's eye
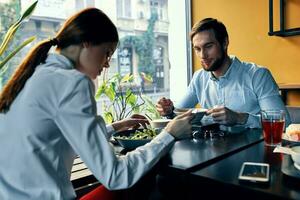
[(208, 46), (197, 49)]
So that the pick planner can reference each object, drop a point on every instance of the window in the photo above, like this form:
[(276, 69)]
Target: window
[(125, 60), (150, 45), (124, 8)]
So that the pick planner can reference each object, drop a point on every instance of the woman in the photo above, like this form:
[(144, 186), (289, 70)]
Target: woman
[(48, 116)]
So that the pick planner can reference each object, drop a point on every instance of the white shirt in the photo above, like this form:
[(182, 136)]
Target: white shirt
[(245, 87), (53, 119)]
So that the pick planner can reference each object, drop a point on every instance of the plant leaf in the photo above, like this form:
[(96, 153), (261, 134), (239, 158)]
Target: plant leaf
[(127, 78), (7, 58), (8, 36), (101, 90), (108, 117), (28, 11), (131, 98), (109, 92), (150, 107), (12, 30)]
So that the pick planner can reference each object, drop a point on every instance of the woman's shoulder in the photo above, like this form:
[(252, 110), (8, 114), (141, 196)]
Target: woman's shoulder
[(58, 68)]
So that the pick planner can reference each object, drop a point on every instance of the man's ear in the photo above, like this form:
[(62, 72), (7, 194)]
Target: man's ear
[(225, 43)]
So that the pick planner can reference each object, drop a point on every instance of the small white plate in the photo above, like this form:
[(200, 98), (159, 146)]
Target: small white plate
[(296, 166)]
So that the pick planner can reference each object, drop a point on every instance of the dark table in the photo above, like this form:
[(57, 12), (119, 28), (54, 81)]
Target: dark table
[(189, 155), (210, 167), (222, 177)]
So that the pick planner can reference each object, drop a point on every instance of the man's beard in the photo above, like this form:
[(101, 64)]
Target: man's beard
[(217, 64)]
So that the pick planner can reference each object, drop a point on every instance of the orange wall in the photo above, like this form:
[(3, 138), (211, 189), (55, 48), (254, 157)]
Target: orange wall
[(247, 23)]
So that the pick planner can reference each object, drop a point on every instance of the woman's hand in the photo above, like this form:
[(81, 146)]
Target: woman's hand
[(180, 127), (134, 122)]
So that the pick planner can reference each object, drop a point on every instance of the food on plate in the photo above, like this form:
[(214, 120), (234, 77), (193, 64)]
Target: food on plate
[(144, 134), (293, 132)]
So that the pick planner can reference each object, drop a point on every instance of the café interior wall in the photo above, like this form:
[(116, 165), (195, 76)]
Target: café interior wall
[(247, 23)]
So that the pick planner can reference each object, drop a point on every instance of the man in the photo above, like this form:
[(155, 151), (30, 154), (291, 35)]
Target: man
[(234, 92)]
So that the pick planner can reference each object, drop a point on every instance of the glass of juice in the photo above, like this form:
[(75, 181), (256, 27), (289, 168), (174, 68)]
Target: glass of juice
[(273, 125)]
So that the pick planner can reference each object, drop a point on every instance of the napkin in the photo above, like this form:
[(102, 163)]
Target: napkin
[(280, 149)]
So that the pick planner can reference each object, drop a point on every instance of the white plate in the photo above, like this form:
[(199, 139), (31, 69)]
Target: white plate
[(289, 138), (296, 166)]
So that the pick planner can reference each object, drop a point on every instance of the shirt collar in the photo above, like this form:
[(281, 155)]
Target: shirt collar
[(229, 71), (60, 59)]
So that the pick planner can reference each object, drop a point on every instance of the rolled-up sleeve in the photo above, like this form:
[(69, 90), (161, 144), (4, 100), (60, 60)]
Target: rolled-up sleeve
[(87, 134)]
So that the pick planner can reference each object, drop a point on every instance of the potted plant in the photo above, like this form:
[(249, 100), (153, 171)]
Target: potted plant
[(9, 36), (123, 100)]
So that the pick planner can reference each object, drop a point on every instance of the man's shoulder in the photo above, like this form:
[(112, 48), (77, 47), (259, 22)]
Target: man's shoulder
[(250, 67)]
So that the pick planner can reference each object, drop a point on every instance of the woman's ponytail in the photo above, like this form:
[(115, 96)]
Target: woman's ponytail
[(24, 71)]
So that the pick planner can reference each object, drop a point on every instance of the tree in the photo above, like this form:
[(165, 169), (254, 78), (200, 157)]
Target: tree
[(143, 46)]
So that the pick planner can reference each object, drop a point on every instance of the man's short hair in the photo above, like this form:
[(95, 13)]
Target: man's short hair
[(216, 26)]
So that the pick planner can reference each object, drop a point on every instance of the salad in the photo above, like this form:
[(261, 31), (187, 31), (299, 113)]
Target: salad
[(148, 133)]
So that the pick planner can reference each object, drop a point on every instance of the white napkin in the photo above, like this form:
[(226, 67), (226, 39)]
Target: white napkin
[(280, 149)]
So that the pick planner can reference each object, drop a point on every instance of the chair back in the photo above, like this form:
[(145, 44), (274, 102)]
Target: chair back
[(294, 112)]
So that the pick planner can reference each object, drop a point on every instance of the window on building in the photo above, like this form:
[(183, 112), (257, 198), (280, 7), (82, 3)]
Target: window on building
[(124, 8), (153, 45)]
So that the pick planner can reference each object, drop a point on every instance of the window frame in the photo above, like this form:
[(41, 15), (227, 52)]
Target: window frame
[(179, 44)]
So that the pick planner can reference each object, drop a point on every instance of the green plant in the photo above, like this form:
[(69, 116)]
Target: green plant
[(9, 36), (122, 100), (143, 45)]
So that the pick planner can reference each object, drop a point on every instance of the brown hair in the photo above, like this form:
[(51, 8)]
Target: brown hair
[(89, 25), (216, 26)]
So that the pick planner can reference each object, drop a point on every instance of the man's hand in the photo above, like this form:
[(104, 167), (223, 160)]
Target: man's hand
[(225, 116), (164, 106), (134, 122)]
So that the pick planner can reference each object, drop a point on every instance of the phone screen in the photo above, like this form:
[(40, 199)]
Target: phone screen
[(258, 171), (255, 172)]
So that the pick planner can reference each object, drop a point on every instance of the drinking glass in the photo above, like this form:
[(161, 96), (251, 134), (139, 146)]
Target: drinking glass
[(273, 125)]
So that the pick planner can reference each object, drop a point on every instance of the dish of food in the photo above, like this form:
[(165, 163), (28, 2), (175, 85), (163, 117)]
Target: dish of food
[(292, 133), (132, 139), (159, 123)]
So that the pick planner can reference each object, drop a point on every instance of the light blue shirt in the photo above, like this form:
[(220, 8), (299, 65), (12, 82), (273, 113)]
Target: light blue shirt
[(245, 87), (51, 121)]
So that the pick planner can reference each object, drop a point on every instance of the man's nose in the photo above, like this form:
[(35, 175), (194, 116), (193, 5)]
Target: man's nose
[(203, 54)]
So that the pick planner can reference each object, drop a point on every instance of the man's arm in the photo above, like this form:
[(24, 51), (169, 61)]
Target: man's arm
[(189, 99), (268, 96)]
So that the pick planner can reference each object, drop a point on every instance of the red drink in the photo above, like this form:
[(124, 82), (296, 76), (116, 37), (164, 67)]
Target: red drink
[(273, 131)]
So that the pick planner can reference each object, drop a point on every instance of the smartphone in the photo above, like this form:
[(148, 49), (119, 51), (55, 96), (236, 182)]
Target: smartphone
[(255, 172)]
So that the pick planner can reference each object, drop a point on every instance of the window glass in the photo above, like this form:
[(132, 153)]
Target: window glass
[(143, 27)]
